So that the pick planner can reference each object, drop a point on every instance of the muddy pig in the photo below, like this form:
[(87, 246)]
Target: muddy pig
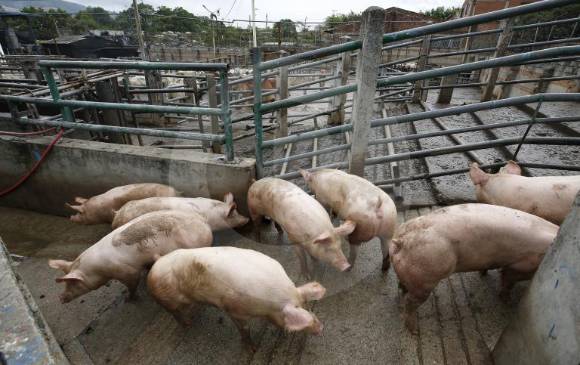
[(357, 200), (549, 197), (466, 237), (125, 252), (244, 283), (100, 208), (219, 215), (303, 218)]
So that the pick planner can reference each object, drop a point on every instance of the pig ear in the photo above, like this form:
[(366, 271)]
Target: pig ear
[(70, 277), (232, 209), (78, 208), (346, 228), (312, 291), (80, 200), (306, 175), (60, 265), (511, 168), (323, 238), (477, 175), (296, 318), (229, 198)]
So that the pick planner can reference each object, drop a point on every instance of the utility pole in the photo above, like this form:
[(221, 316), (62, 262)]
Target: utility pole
[(213, 18), (254, 23), (142, 50)]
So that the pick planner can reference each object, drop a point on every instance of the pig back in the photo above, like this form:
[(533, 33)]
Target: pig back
[(301, 216), (231, 278), (477, 236)]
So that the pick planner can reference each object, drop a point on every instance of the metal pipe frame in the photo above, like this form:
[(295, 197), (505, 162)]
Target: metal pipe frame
[(134, 65), (307, 154), (506, 82), (411, 137), (416, 76), (129, 130), (420, 31)]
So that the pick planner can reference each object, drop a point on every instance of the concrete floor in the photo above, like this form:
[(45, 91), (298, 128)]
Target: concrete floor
[(459, 324)]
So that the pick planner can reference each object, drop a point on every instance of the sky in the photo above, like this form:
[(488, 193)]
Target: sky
[(297, 10)]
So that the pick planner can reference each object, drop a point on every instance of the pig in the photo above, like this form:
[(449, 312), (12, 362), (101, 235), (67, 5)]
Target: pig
[(357, 200), (267, 84), (466, 237), (303, 218), (219, 215), (101, 208), (126, 251), (244, 283), (549, 197)]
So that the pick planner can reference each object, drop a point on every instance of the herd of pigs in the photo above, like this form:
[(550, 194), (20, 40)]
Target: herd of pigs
[(510, 229)]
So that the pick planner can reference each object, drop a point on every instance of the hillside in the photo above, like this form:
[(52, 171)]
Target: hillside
[(68, 6)]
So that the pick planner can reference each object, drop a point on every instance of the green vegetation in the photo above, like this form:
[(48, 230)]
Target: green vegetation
[(336, 19), (441, 13)]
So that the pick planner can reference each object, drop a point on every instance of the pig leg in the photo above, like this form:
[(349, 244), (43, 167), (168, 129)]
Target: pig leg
[(244, 329), (183, 314), (256, 220), (278, 228), (131, 281), (385, 250), (353, 252), (304, 270), (411, 303)]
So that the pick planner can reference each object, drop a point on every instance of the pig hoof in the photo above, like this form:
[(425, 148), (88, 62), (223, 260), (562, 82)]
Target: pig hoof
[(386, 265), (411, 324)]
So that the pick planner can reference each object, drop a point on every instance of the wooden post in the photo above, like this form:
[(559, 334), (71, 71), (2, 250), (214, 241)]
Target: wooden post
[(445, 94), (418, 93), (502, 43), (542, 85), (191, 83), (282, 114), (371, 32), (512, 75), (342, 69), (212, 98), (106, 93)]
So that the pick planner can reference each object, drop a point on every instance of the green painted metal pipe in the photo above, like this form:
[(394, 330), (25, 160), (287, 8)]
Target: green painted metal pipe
[(415, 76), (256, 59), (420, 31), (129, 130), (134, 65), (556, 141), (227, 116), (67, 112), (495, 62), (469, 108), (115, 106), (307, 154), (308, 135)]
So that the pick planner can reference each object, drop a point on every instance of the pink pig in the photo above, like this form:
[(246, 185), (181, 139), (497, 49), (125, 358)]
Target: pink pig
[(125, 252), (219, 215), (244, 283), (466, 237), (357, 200), (549, 197), (303, 218), (100, 208)]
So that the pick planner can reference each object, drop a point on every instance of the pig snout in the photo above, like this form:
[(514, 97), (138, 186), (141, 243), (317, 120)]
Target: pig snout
[(342, 265)]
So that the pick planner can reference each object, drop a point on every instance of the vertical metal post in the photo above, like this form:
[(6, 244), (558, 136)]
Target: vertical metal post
[(342, 68), (418, 93), (256, 59), (53, 87), (282, 114), (368, 60), (445, 94), (212, 100), (501, 47), (226, 116)]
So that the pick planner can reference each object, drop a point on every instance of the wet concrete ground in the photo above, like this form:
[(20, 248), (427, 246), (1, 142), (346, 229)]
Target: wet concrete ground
[(459, 324)]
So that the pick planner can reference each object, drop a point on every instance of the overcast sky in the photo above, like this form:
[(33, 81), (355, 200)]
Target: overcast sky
[(313, 10)]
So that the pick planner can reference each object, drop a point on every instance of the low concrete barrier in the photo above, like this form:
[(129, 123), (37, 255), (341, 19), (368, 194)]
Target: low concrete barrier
[(86, 168), (546, 329), (25, 338)]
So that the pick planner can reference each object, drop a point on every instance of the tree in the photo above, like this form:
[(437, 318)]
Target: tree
[(441, 13), (97, 17), (284, 30), (334, 20)]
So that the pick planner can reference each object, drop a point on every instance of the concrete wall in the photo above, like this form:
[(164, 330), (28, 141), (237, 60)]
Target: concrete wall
[(25, 338), (546, 329), (85, 168)]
